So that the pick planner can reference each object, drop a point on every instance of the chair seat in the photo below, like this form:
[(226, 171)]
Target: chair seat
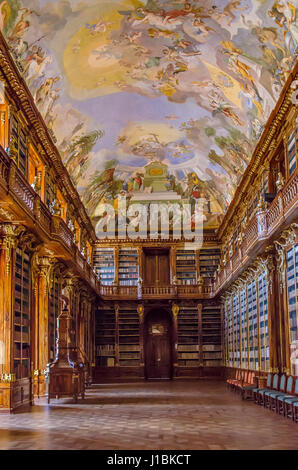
[(273, 393), (284, 397), (293, 400), (255, 389), (249, 387)]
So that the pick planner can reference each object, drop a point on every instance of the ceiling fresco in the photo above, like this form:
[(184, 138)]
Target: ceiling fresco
[(124, 83)]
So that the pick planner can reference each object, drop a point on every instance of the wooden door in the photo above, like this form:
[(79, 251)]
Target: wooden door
[(157, 267), (158, 347)]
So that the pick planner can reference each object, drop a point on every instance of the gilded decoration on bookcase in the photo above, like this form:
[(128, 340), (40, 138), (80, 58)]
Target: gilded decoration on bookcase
[(287, 238), (8, 240)]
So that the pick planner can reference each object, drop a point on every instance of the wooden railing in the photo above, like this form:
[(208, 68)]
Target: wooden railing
[(155, 292), (53, 226), (260, 229)]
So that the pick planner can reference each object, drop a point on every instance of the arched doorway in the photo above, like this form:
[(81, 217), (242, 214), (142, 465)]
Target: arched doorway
[(158, 345)]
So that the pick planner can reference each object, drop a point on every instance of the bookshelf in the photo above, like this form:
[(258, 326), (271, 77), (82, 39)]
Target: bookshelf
[(243, 315), (292, 288), (104, 264), (236, 315), (253, 325), (129, 336), (209, 260), (230, 347), (292, 141), (186, 271), (128, 267), (263, 322), (54, 305), (211, 336), (105, 336), (188, 337), (19, 145), (21, 331)]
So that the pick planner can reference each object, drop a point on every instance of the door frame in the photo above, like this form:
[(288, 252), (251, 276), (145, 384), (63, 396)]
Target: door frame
[(167, 312)]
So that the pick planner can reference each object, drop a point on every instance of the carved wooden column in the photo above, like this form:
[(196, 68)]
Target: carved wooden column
[(273, 317), (140, 310), (173, 279), (175, 312), (42, 268), (8, 235), (286, 240)]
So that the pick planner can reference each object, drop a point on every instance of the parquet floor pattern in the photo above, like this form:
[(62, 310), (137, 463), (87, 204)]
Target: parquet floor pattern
[(176, 415)]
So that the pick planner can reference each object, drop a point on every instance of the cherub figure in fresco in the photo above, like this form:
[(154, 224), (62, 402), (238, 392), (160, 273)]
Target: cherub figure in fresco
[(231, 7), (36, 66), (202, 30), (100, 27), (285, 15), (22, 25), (44, 90), (269, 35), (234, 62), (219, 105)]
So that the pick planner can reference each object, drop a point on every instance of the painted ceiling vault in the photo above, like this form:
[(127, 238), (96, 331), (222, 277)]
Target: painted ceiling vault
[(122, 83)]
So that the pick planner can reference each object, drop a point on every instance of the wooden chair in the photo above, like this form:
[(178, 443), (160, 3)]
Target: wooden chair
[(279, 388), (280, 400), (247, 388), (242, 381), (259, 392), (290, 403), (232, 381)]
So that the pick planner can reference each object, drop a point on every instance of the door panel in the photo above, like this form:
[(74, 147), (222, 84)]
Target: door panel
[(158, 348), (157, 267)]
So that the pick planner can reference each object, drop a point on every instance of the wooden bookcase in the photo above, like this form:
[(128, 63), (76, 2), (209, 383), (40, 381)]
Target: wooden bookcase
[(209, 260), (21, 332), (128, 268), (188, 337), (253, 325), (105, 336), (292, 291), (129, 336), (186, 271), (243, 316), (236, 314), (263, 321), (104, 264), (211, 336), (54, 310), (19, 143)]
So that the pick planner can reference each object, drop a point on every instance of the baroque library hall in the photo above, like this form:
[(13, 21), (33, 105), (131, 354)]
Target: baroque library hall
[(148, 226)]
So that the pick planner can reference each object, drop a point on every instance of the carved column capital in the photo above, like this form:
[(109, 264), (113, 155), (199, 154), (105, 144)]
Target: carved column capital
[(9, 234)]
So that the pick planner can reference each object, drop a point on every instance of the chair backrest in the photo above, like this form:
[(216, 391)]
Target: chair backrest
[(290, 383), (252, 377), (249, 377), (269, 379), (238, 372), (282, 384), (296, 386), (245, 374), (275, 382)]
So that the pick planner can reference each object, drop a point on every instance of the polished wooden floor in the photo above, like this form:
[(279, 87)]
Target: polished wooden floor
[(150, 415)]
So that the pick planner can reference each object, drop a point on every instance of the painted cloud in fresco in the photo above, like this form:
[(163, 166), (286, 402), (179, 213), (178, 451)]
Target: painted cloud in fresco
[(122, 83)]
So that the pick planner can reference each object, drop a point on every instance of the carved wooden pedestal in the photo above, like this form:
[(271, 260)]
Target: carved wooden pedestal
[(65, 376)]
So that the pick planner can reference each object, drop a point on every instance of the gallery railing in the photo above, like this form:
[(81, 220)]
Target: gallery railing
[(283, 209)]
